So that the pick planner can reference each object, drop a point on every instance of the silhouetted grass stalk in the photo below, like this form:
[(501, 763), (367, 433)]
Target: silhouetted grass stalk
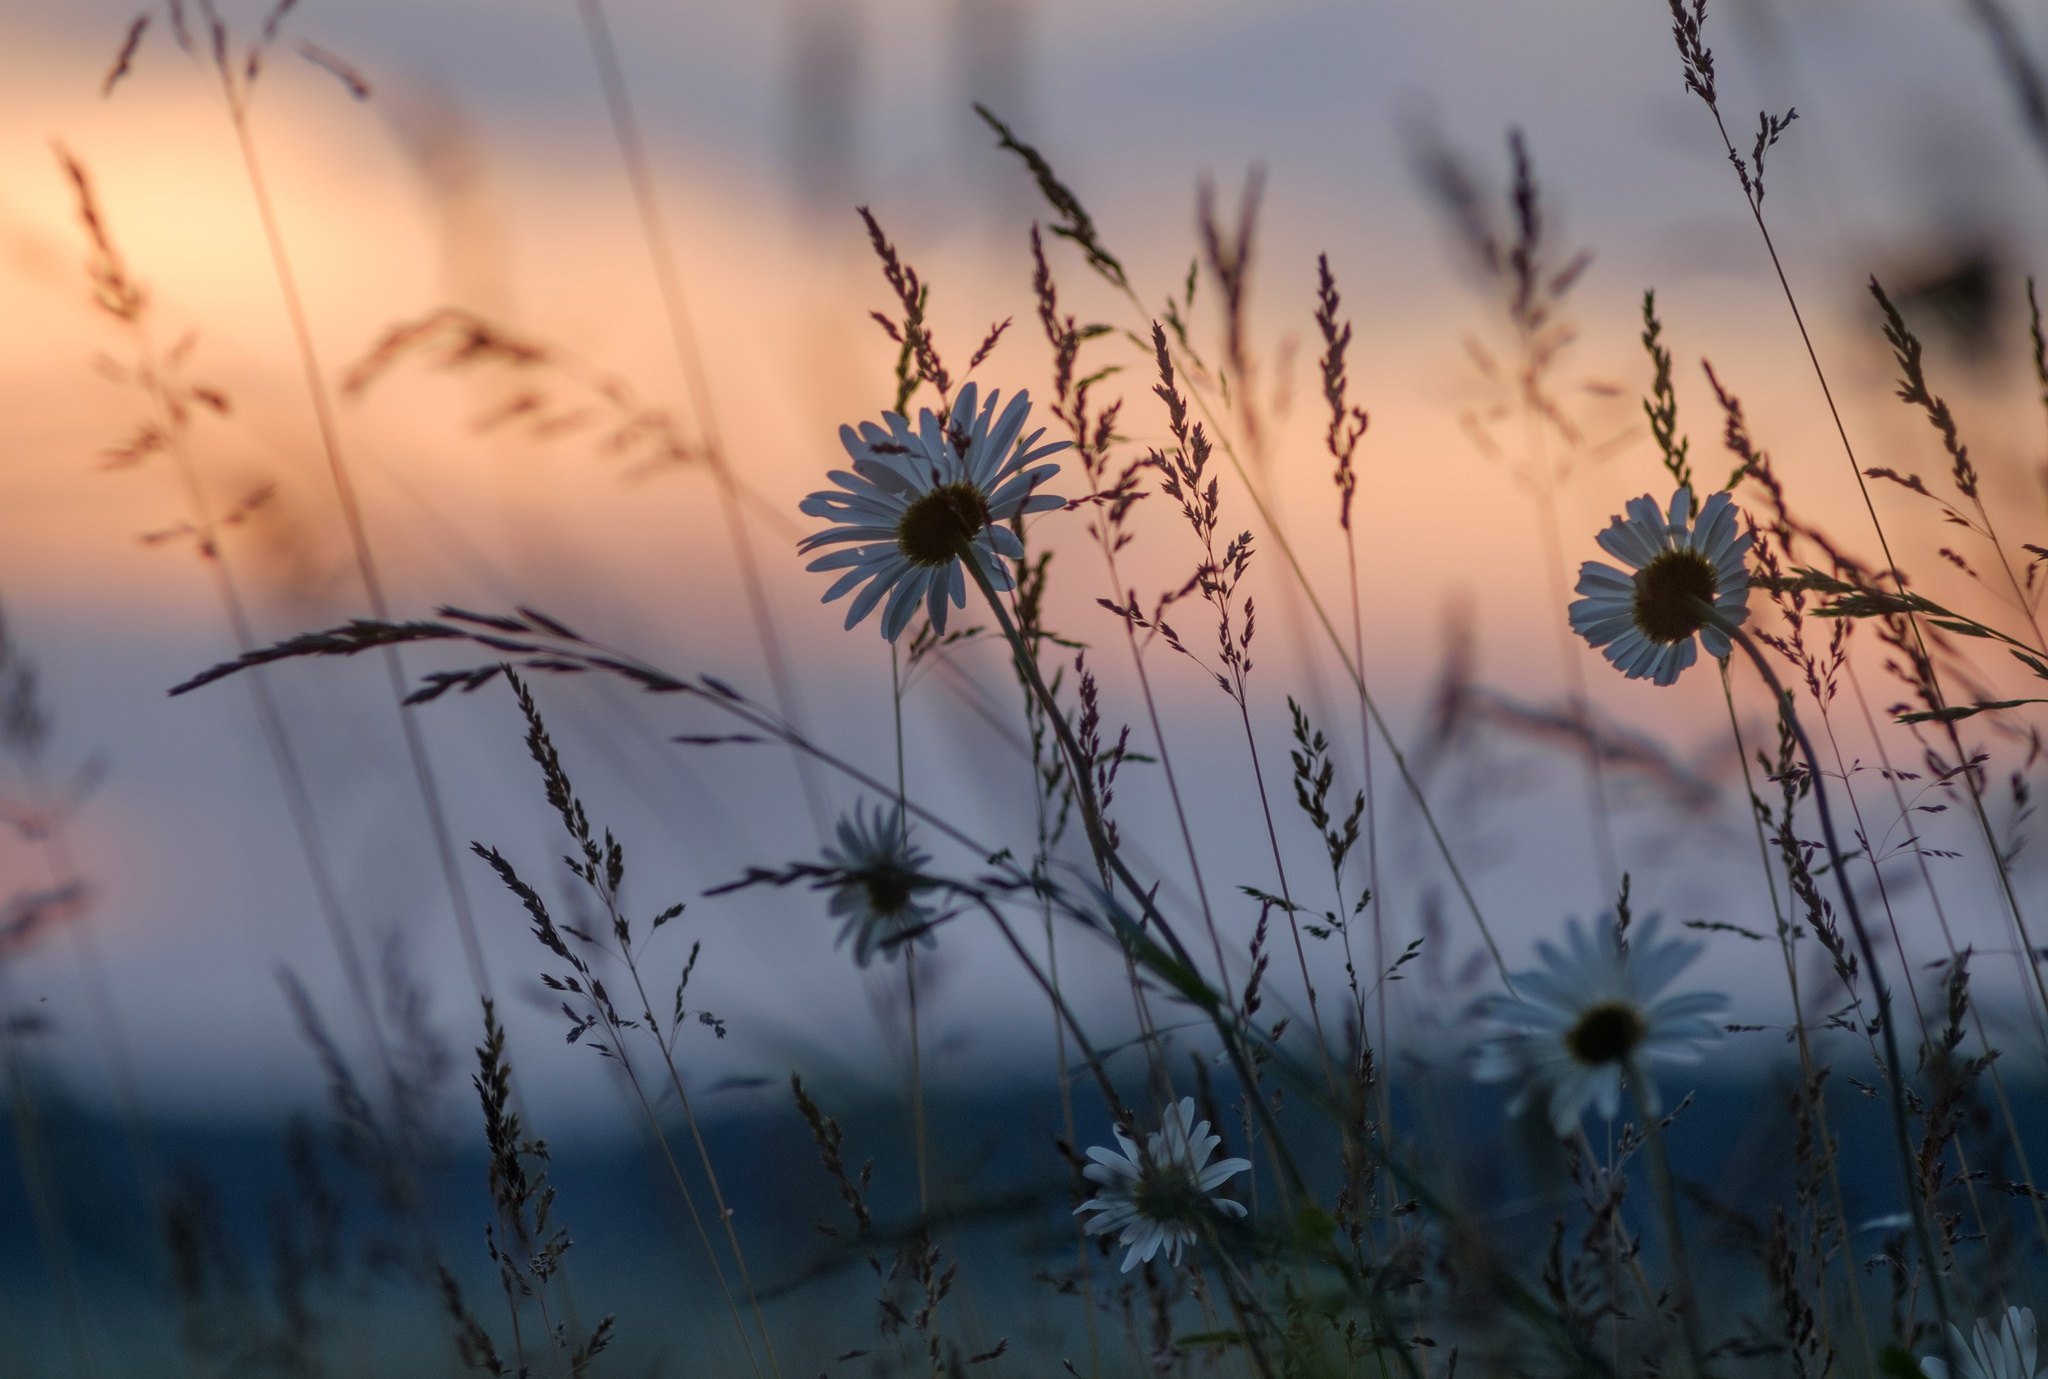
[(668, 278), (235, 96), (1112, 273), (126, 300), (53, 1233), (1808, 1088), (1697, 61), (1893, 1065)]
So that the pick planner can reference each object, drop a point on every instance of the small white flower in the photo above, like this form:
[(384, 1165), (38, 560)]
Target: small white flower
[(875, 891), (2004, 1352), (1644, 622), (1591, 1016), (1160, 1197), (917, 499)]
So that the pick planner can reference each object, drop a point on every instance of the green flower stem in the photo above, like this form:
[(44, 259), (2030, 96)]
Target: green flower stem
[(1816, 1104), (1894, 1079), (924, 1204), (909, 949), (1674, 1236), (1112, 864)]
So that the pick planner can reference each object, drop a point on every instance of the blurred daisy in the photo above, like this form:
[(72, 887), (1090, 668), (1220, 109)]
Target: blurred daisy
[(916, 500), (1644, 622), (878, 875), (1591, 1016), (2005, 1352), (1162, 1196)]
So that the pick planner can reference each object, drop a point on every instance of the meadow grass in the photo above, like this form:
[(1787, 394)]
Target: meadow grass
[(1336, 1130)]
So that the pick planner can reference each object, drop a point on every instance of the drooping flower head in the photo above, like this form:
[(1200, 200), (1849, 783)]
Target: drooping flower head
[(1590, 1017), (1644, 622), (2005, 1351), (1160, 1197), (878, 878), (920, 499)]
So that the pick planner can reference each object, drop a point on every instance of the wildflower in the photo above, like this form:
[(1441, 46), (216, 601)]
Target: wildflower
[(1590, 1017), (877, 875), (1644, 622), (919, 500), (2007, 1352), (1162, 1196)]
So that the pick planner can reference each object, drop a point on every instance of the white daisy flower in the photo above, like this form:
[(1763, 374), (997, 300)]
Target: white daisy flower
[(1161, 1196), (1644, 622), (916, 499), (1591, 1016), (2005, 1352), (879, 877)]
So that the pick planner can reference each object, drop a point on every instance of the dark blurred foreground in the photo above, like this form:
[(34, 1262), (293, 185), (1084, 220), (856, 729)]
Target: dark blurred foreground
[(276, 1259)]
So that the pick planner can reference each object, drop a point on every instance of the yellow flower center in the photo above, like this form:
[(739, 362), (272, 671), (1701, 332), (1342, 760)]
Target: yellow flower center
[(887, 889), (1169, 1195), (939, 525), (1668, 593), (1606, 1033)]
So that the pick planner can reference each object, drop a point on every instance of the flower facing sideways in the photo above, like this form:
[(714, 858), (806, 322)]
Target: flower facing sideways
[(2007, 1351), (1644, 622), (919, 500), (877, 875), (1592, 1016), (1162, 1196)]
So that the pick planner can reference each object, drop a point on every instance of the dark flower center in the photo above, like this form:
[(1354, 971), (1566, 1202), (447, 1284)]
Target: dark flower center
[(939, 525), (1606, 1033), (1668, 594), (887, 888), (1169, 1195)]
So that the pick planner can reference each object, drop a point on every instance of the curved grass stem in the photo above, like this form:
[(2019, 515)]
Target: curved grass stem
[(1894, 1077)]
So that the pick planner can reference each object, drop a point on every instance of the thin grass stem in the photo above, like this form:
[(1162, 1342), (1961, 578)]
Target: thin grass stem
[(1816, 1103), (1894, 1076), (625, 124)]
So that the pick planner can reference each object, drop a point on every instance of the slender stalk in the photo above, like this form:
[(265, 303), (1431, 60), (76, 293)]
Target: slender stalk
[(1107, 858), (1180, 813), (1357, 674), (1674, 1236), (909, 949), (1929, 880), (1066, 1088), (52, 1234), (675, 1172), (424, 777), (1568, 651), (1106, 542), (99, 992), (1816, 1104), (1372, 866), (1894, 1078), (1884, 897), (625, 123), (924, 1203), (1755, 204), (270, 722), (1286, 895), (1353, 668), (675, 1083)]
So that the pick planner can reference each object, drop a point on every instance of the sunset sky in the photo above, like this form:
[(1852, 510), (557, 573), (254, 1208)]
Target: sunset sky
[(481, 173)]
